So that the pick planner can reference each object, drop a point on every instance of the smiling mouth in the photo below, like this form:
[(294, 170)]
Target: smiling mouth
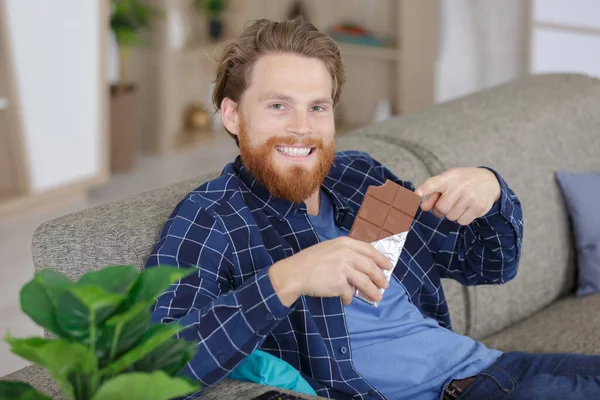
[(296, 151)]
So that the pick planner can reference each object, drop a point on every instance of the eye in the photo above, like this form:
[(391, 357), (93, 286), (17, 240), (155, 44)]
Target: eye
[(277, 106), (318, 108)]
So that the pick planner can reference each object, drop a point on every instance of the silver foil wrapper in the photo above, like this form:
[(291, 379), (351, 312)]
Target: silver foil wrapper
[(391, 247)]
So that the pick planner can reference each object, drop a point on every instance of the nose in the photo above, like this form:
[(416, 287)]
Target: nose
[(299, 123)]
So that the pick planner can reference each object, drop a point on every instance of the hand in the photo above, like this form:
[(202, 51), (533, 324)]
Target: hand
[(460, 194), (330, 269)]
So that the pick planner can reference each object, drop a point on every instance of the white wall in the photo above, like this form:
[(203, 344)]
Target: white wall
[(482, 44), (566, 38), (57, 63)]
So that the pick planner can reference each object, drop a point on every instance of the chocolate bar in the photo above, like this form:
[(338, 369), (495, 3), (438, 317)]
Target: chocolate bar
[(384, 219), (385, 211)]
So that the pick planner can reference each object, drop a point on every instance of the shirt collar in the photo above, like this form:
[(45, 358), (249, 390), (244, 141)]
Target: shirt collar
[(282, 208)]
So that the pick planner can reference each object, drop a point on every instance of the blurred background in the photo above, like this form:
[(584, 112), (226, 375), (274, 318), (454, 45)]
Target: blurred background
[(104, 99)]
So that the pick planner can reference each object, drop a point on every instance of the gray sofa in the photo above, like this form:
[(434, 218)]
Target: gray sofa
[(526, 130)]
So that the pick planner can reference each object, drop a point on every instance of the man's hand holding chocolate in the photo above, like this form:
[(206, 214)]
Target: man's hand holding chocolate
[(333, 268)]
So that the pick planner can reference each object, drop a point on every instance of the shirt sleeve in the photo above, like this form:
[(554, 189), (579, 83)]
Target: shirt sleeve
[(227, 323), (487, 251)]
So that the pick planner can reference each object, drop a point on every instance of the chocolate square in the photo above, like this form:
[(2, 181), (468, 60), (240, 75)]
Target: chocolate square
[(385, 211)]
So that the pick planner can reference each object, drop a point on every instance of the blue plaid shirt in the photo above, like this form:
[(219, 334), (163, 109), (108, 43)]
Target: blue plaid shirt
[(231, 230)]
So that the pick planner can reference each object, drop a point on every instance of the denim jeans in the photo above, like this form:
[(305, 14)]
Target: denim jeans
[(521, 376)]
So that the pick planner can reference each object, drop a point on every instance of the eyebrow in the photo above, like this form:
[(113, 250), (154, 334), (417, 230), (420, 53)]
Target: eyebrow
[(284, 97), (274, 96)]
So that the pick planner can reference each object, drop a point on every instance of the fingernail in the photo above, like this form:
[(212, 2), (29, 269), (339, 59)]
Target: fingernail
[(419, 192)]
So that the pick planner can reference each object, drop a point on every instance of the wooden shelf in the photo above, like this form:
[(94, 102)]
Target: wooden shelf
[(402, 70), (369, 52)]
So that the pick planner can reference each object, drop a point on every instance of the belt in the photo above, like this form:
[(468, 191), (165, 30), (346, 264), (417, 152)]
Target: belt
[(456, 388)]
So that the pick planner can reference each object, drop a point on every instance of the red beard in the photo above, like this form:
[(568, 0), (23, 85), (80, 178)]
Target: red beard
[(295, 183)]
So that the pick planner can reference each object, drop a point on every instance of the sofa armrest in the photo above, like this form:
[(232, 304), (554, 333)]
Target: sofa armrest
[(226, 389), (38, 378)]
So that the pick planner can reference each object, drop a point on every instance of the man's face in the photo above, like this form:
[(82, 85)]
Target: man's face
[(286, 125)]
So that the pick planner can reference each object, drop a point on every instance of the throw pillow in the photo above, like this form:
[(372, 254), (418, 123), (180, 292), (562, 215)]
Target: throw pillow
[(582, 195), (266, 369)]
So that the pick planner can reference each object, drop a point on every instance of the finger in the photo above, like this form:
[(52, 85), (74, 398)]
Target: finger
[(458, 209), (446, 202), (348, 295), (430, 201), (368, 267), (467, 217), (437, 214), (366, 249), (363, 283), (431, 185)]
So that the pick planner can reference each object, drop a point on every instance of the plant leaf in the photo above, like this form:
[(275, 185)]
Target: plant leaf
[(152, 339), (26, 348), (131, 319), (37, 305), (56, 284), (129, 327), (85, 306), (141, 386), (20, 391), (153, 282), (169, 357), (62, 359), (127, 37), (129, 18), (40, 298), (113, 279)]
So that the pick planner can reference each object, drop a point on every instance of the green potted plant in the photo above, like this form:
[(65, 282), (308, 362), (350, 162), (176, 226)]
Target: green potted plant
[(214, 10), (128, 19), (104, 346)]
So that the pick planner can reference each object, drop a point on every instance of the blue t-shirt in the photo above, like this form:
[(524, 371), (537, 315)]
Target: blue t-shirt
[(398, 350)]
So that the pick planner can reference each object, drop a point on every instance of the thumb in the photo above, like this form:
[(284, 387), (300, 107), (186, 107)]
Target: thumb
[(430, 201)]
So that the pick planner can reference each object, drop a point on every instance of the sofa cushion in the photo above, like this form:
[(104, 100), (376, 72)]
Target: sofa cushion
[(582, 196), (569, 325)]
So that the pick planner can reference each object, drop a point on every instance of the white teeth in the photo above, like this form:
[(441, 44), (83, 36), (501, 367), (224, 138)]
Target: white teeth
[(294, 151)]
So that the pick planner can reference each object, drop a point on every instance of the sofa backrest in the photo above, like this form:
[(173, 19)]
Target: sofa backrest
[(526, 130)]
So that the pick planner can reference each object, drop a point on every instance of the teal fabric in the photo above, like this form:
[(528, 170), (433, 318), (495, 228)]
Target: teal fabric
[(266, 369)]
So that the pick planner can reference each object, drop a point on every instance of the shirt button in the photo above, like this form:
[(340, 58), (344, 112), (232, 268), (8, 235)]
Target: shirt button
[(221, 357), (270, 317), (343, 349)]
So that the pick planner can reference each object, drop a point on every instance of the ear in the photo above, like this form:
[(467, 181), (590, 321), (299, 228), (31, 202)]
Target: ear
[(230, 115)]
